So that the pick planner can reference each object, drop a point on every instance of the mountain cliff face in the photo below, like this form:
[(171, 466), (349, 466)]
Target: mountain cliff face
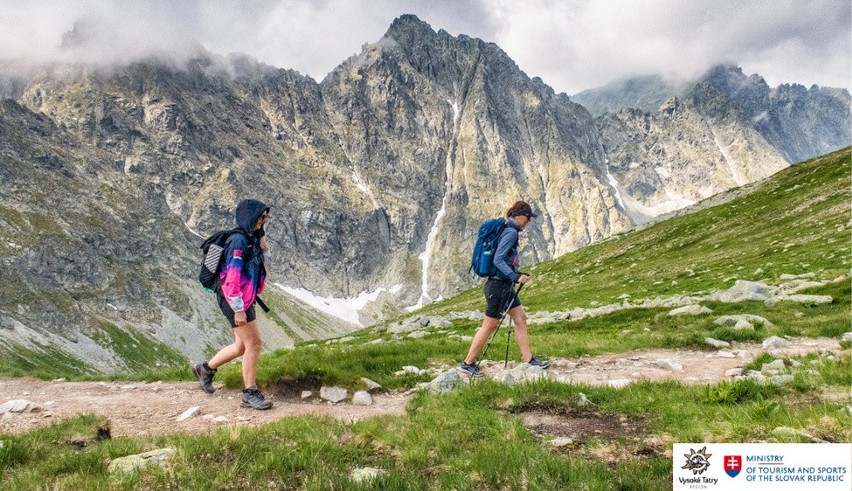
[(96, 213), (378, 178), (723, 131), (444, 132)]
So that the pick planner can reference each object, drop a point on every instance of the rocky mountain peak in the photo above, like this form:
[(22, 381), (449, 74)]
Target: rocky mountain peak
[(409, 26)]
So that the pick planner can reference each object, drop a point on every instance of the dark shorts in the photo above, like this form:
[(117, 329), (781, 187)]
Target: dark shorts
[(228, 312), (500, 297)]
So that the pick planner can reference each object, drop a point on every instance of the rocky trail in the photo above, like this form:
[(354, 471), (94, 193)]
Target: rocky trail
[(139, 408)]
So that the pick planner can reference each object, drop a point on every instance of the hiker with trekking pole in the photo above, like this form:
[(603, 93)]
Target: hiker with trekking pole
[(496, 257)]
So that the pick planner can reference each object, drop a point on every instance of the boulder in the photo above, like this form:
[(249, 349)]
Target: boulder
[(401, 328), (669, 364), (717, 343), (742, 321), (362, 398), (193, 411), (141, 461), (521, 373), (371, 386), (743, 290), (776, 366), (561, 441), (19, 406), (694, 309), (781, 379), (446, 382), (333, 394), (775, 342), (366, 474)]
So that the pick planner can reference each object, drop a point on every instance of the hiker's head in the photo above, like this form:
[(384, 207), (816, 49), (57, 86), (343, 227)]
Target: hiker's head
[(521, 212), (251, 214), (264, 217)]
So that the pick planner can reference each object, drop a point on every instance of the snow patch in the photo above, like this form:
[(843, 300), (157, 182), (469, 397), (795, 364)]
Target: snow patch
[(342, 308), (738, 178), (612, 182), (456, 111), (433, 233), (425, 260)]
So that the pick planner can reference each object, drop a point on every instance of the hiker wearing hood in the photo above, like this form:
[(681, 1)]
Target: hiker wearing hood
[(242, 278), (244, 275)]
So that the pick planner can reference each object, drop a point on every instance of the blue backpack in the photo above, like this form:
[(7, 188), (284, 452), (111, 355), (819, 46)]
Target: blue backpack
[(482, 262)]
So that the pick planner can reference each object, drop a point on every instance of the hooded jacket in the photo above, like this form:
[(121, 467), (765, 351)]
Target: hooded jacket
[(244, 274)]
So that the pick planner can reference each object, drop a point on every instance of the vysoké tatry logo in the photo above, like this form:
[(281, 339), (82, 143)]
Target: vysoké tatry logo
[(697, 462)]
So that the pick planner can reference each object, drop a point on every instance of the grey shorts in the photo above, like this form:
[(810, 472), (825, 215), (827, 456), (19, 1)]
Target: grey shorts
[(500, 297)]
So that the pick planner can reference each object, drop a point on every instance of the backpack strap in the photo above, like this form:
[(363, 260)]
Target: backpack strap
[(260, 302)]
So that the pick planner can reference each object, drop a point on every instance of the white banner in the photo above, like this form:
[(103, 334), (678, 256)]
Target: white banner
[(762, 466)]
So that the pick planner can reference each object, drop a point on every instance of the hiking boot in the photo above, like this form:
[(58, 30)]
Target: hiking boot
[(535, 362), (471, 369), (205, 376), (254, 399)]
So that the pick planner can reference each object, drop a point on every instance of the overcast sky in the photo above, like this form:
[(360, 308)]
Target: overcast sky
[(571, 44)]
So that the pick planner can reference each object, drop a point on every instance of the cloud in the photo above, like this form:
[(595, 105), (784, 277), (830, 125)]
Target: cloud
[(577, 45), (571, 44)]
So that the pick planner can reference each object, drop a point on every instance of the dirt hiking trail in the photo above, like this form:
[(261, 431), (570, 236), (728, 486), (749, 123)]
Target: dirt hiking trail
[(140, 408)]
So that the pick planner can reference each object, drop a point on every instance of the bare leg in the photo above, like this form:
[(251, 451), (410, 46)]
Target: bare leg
[(522, 337), (228, 353), (249, 335), (489, 324)]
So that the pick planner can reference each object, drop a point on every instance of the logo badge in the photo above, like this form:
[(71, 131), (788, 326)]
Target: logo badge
[(733, 465), (697, 462)]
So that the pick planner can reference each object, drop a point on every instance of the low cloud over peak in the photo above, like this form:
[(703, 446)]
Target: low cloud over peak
[(572, 45)]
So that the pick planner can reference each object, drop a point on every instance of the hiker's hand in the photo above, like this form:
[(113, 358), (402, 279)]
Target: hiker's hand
[(264, 246), (240, 318), (523, 279)]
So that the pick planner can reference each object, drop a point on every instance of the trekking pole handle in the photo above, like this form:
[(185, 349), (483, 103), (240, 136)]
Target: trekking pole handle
[(522, 284)]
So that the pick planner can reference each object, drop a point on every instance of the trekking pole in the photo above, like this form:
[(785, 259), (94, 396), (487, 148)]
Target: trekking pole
[(508, 337), (493, 334), (510, 331)]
